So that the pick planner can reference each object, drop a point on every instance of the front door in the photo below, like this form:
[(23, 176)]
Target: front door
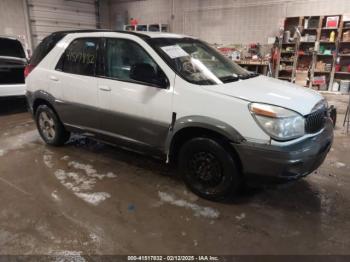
[(135, 111)]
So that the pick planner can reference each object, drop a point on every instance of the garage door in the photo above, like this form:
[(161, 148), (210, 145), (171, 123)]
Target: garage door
[(47, 16)]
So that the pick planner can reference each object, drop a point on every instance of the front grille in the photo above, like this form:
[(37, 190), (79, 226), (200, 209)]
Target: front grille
[(315, 121)]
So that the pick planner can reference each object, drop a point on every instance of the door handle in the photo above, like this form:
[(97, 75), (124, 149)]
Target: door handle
[(105, 88), (53, 78)]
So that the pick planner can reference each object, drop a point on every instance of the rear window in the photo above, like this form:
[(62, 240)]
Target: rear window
[(45, 47), (11, 47)]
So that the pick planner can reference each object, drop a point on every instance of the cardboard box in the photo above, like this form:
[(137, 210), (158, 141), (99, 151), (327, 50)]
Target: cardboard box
[(346, 36)]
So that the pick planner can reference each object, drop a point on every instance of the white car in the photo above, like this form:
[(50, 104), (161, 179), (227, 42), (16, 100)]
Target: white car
[(174, 96), (13, 60)]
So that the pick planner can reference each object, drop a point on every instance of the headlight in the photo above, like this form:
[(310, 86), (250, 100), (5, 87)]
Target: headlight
[(279, 123)]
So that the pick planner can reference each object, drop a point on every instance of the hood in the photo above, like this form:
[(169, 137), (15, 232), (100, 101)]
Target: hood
[(272, 91)]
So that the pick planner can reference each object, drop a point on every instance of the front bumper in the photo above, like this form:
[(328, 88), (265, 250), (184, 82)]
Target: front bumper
[(289, 162)]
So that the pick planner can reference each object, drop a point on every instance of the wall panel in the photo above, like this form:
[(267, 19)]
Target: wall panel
[(223, 21), (48, 16)]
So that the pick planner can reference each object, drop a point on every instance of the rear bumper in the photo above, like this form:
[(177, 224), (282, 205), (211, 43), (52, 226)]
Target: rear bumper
[(12, 90), (288, 162)]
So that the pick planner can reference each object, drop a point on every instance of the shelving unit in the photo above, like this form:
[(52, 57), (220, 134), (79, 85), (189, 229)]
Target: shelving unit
[(342, 66), (319, 55), (286, 63), (147, 28)]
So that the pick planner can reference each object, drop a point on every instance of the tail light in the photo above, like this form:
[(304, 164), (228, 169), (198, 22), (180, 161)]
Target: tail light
[(28, 69)]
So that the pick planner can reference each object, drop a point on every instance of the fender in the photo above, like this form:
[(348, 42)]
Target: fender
[(211, 124), (39, 94)]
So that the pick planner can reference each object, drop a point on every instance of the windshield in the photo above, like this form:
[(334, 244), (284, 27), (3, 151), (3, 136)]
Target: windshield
[(197, 62), (11, 47)]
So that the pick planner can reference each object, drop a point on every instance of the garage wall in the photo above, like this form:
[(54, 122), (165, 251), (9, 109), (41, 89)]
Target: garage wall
[(220, 21), (13, 20), (47, 16)]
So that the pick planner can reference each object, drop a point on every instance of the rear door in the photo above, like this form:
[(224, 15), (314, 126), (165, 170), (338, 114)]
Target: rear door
[(138, 112), (75, 76)]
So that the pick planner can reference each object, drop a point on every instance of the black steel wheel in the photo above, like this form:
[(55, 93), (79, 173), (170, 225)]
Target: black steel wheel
[(50, 127), (208, 169)]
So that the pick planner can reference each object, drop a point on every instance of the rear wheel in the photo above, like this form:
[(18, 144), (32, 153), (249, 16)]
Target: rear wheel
[(50, 127), (208, 169)]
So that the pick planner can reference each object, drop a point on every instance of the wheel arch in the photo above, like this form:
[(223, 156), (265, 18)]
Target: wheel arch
[(43, 98), (197, 126)]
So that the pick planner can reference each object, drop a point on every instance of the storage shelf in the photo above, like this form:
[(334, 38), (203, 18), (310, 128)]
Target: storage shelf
[(310, 59), (307, 42), (343, 73), (305, 54), (322, 72)]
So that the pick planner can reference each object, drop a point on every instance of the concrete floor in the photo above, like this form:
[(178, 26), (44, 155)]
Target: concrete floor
[(90, 198)]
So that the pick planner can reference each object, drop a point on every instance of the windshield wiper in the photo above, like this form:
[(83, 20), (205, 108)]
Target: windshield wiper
[(229, 79), (247, 76), (253, 75)]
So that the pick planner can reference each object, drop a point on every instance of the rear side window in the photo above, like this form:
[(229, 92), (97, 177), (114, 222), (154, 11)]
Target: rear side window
[(45, 47), (80, 57)]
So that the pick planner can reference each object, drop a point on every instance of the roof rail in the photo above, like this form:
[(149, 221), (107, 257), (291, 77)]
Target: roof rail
[(143, 36)]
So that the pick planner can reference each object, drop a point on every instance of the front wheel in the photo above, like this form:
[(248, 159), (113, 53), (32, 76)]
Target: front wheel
[(50, 127), (208, 169)]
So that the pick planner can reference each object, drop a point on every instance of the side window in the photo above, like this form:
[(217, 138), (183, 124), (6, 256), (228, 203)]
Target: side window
[(126, 60), (80, 57)]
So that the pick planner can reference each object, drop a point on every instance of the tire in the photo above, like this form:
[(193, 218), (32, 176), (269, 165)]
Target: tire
[(50, 127), (208, 169)]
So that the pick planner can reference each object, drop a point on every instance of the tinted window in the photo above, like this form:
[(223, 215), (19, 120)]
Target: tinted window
[(122, 55), (45, 47), (11, 47), (80, 57)]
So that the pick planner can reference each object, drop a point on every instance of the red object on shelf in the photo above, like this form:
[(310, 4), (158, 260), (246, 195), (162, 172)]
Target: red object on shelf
[(332, 22), (337, 68), (134, 22), (349, 68), (227, 51)]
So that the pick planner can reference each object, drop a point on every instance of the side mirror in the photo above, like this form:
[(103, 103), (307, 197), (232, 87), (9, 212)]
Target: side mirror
[(145, 73)]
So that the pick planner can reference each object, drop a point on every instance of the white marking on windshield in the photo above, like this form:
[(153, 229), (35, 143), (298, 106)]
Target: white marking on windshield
[(174, 51)]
